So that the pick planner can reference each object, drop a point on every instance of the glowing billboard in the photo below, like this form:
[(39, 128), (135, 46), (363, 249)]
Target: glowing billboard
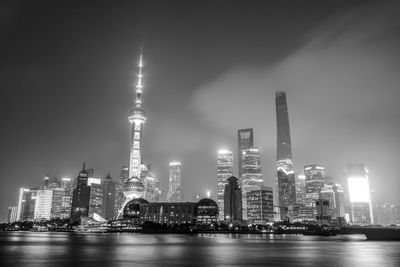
[(359, 189)]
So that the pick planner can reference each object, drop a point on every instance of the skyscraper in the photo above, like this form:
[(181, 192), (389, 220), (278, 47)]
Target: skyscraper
[(108, 201), (175, 182), (26, 204), (285, 179), (315, 179), (12, 214), (359, 194), (233, 201), (245, 141), (96, 197), (260, 206), (133, 186), (251, 178), (300, 189), (80, 197), (43, 204), (224, 171)]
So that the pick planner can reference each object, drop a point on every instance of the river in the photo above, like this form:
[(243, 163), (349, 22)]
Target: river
[(135, 249)]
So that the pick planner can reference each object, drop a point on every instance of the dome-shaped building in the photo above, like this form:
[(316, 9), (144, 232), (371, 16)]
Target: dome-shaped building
[(206, 211), (132, 208), (133, 188)]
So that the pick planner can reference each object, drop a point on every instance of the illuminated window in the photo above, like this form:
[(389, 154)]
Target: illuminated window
[(136, 144), (136, 136), (137, 126)]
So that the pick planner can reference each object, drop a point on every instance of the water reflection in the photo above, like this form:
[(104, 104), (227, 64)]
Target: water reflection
[(70, 249)]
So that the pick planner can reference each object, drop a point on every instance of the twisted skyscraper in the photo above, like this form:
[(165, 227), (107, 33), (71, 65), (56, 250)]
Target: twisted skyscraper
[(285, 179)]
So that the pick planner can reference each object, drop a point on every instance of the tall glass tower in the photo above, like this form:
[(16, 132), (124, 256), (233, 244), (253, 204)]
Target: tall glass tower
[(285, 179), (224, 171), (175, 182), (251, 178), (245, 141)]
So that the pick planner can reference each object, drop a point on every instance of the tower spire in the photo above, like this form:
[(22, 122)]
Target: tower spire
[(139, 86)]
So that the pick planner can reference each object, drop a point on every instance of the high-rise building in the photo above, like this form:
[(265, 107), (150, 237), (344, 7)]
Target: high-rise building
[(260, 205), (12, 214), (233, 201), (251, 178), (300, 189), (359, 194), (224, 171), (119, 188), (51, 182), (151, 184), (96, 197), (26, 204), (335, 194), (285, 179), (66, 183), (80, 197), (108, 201), (43, 204), (175, 182), (245, 141), (57, 203), (315, 179)]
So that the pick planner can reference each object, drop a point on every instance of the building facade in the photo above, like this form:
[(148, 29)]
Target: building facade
[(359, 194), (26, 204), (285, 179), (245, 141), (12, 214), (260, 205), (80, 197), (315, 179), (175, 182), (224, 171), (108, 202), (43, 204), (251, 178)]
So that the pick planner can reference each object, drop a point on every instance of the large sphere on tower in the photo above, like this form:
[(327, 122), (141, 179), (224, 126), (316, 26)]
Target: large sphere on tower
[(133, 188)]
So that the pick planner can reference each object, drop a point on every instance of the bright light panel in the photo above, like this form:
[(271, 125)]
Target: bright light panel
[(358, 189)]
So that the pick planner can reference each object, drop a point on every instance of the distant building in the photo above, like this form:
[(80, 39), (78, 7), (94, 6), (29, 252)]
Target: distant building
[(96, 197), (175, 182), (119, 189), (359, 194), (26, 204), (245, 141), (43, 204), (300, 190), (285, 197), (80, 197), (206, 212), (233, 201), (66, 183), (151, 185), (335, 194), (224, 171), (323, 215), (12, 214), (66, 203), (315, 179), (386, 214), (251, 178), (57, 203), (108, 202), (197, 197), (260, 205)]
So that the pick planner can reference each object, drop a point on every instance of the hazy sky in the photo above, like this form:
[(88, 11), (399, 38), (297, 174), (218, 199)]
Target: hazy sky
[(67, 71)]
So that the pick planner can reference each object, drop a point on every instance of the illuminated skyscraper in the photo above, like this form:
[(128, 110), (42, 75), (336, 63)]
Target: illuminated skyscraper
[(43, 204), (26, 204), (12, 214), (300, 189), (315, 178), (285, 179), (175, 182), (133, 187), (96, 197), (359, 194), (251, 178), (151, 185), (224, 171), (245, 141)]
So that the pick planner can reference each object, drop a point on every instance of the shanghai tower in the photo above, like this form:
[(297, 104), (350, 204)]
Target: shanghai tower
[(285, 178)]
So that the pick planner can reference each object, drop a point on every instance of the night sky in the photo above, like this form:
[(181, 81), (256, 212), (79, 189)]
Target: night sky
[(67, 75)]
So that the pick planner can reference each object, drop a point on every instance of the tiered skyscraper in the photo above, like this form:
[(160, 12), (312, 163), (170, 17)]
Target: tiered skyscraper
[(175, 182), (224, 171), (133, 186), (285, 179), (245, 141)]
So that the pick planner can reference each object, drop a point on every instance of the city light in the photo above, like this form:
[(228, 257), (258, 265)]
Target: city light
[(358, 189)]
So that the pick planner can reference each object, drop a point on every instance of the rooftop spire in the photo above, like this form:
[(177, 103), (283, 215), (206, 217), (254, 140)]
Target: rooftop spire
[(84, 166), (139, 86)]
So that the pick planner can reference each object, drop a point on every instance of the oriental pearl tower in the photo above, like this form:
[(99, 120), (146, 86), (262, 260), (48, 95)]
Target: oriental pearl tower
[(133, 186)]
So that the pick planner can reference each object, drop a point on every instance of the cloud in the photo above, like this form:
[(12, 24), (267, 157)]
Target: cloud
[(342, 89)]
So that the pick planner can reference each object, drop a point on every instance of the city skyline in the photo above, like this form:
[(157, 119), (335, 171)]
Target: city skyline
[(53, 109)]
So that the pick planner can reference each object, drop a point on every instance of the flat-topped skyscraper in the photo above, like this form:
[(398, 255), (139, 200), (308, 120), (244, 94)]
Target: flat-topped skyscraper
[(245, 141), (285, 179)]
